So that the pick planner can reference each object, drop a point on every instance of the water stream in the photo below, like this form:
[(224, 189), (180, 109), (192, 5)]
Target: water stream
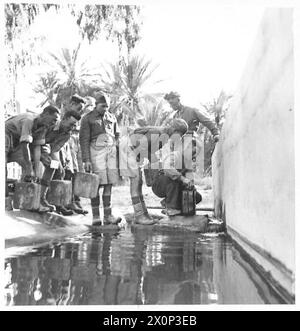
[(135, 266)]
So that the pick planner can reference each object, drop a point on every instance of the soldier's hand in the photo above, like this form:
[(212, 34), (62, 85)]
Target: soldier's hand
[(216, 138), (87, 166), (46, 159), (187, 183)]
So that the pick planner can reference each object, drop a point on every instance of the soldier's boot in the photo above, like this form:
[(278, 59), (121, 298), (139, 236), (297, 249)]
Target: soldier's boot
[(108, 217), (45, 206), (64, 211), (76, 201), (140, 217), (95, 203)]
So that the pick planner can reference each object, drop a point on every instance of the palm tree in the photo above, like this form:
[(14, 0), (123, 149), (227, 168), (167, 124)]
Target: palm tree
[(47, 85), (72, 74), (218, 109), (128, 85)]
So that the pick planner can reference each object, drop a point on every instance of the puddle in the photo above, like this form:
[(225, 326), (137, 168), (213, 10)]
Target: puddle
[(134, 267)]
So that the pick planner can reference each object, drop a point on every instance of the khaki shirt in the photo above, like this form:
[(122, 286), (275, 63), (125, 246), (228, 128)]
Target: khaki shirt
[(22, 128), (98, 130), (194, 117)]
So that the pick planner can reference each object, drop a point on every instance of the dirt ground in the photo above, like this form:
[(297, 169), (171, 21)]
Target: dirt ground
[(121, 196)]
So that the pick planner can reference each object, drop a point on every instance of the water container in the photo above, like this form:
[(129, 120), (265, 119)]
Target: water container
[(27, 196), (60, 192), (188, 202), (8, 203), (86, 185)]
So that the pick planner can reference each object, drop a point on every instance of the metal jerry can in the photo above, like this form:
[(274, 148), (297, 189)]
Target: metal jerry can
[(27, 196), (188, 202), (86, 185), (60, 192)]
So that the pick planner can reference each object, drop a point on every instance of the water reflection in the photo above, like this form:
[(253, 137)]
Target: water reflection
[(132, 267)]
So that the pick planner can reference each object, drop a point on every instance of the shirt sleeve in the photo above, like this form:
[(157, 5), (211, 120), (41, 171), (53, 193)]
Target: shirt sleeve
[(26, 131), (59, 142), (207, 122), (39, 136)]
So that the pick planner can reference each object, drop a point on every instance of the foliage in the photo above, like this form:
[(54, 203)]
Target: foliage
[(128, 84), (154, 113), (20, 16), (69, 74), (217, 108), (47, 86), (116, 22)]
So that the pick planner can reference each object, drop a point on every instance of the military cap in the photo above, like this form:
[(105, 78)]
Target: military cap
[(77, 98), (101, 98), (171, 95)]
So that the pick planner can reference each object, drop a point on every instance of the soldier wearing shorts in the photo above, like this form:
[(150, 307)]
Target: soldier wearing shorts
[(99, 134)]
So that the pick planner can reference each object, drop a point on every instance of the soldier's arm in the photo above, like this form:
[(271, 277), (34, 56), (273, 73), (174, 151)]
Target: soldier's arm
[(169, 160), (207, 122)]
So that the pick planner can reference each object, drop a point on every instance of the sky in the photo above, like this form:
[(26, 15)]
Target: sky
[(200, 49)]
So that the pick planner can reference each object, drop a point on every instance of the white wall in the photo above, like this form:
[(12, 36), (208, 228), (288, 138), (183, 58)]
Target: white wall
[(253, 164)]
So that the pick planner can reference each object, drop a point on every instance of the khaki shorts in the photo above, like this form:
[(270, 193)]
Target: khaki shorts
[(104, 164), (128, 164)]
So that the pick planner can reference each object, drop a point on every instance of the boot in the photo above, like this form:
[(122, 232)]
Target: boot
[(140, 217), (95, 203), (173, 212), (74, 207), (144, 220), (78, 204), (45, 206), (64, 211), (109, 218)]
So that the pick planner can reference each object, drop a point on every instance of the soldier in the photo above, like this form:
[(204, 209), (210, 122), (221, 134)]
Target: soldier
[(172, 179), (192, 116), (143, 144), (23, 130), (99, 134), (55, 140), (76, 104), (70, 156)]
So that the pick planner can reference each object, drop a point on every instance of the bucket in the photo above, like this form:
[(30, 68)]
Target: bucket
[(86, 185)]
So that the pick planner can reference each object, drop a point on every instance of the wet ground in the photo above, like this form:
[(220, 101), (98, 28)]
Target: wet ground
[(135, 267)]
